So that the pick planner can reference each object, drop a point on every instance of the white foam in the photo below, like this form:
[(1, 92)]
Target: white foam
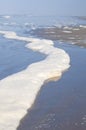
[(76, 29), (50, 32), (58, 25), (67, 27), (82, 26), (67, 31), (7, 16), (18, 92)]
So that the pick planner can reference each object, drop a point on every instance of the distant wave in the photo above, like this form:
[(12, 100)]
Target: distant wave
[(6, 16), (18, 92)]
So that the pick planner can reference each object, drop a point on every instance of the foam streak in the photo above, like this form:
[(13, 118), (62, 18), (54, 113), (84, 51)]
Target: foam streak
[(18, 91)]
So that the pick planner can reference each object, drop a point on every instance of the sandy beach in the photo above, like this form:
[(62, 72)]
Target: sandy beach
[(61, 105)]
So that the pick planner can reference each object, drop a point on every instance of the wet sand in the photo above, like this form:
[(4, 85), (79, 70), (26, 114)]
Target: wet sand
[(68, 34), (61, 105)]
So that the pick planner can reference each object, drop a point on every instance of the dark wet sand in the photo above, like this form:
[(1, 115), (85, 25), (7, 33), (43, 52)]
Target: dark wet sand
[(61, 105), (69, 34)]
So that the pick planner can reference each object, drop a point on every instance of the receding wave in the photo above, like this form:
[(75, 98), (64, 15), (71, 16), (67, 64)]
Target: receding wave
[(18, 92)]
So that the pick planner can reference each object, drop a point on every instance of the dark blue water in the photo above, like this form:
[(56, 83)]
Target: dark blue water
[(61, 105), (15, 57)]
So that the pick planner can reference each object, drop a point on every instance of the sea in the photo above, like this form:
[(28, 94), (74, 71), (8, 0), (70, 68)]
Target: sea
[(42, 82)]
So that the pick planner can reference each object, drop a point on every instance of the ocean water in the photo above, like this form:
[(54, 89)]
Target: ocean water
[(61, 104), (26, 62)]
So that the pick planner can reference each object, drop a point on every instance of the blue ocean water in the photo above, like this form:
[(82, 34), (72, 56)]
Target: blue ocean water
[(14, 56)]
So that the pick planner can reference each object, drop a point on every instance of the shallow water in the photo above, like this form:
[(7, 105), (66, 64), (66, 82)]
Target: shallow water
[(15, 57)]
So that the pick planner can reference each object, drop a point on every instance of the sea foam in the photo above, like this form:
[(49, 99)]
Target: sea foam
[(6, 16), (18, 91)]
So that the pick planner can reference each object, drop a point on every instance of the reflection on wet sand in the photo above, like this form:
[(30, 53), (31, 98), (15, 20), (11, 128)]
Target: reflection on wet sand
[(71, 34)]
